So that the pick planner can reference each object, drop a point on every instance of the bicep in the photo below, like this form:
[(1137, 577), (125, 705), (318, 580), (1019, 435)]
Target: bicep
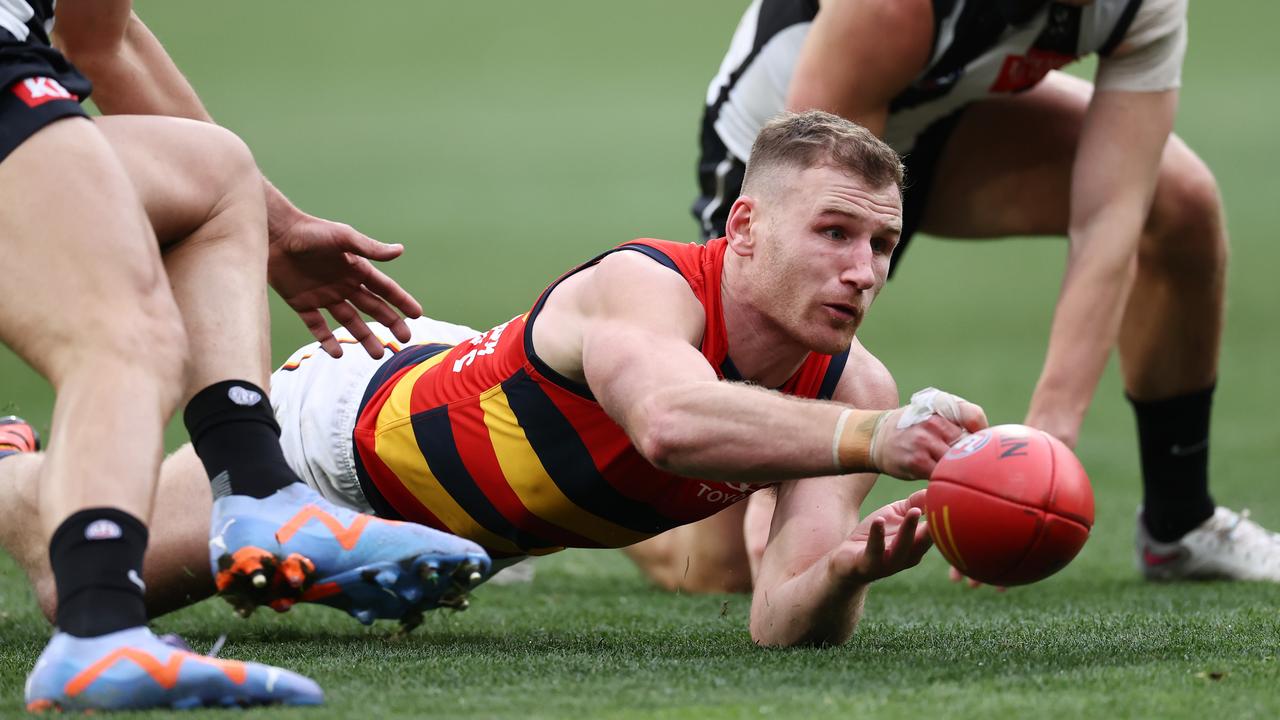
[(851, 66), (1118, 157), (640, 334), (91, 28)]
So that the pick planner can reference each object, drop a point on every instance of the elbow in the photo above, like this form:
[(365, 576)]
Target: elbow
[(766, 633), (94, 58), (657, 436)]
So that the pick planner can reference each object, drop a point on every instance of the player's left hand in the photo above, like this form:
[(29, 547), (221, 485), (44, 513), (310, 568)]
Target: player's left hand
[(887, 541), (316, 263)]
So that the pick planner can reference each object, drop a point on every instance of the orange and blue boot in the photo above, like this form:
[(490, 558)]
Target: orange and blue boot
[(295, 546), (134, 669)]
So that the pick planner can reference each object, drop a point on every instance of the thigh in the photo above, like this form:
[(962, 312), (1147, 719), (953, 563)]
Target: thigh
[(1006, 167), (79, 254)]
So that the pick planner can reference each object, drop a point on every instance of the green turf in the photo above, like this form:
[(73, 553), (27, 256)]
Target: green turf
[(504, 141)]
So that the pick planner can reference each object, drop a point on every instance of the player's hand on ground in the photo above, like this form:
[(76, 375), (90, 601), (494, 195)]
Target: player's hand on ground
[(887, 541), (317, 264), (909, 441), (956, 576)]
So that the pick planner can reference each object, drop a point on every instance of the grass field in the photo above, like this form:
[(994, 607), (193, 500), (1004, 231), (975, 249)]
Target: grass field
[(504, 141)]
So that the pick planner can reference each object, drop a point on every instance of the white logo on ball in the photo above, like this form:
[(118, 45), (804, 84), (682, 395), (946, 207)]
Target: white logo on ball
[(102, 530), (244, 396), (969, 444)]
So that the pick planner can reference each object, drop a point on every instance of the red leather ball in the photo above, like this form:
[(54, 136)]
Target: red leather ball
[(1009, 505)]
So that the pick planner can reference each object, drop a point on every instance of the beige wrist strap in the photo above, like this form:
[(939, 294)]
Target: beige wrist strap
[(853, 442)]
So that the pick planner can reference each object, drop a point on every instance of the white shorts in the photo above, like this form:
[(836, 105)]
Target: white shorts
[(317, 400)]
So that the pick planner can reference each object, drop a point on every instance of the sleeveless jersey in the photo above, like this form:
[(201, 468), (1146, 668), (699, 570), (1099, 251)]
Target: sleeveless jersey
[(27, 20), (486, 441), (976, 53)]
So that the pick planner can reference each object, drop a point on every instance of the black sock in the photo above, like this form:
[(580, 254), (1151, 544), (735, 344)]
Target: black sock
[(96, 556), (1173, 437), (235, 433)]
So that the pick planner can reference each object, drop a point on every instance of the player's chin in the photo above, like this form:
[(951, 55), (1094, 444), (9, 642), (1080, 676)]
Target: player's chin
[(834, 336)]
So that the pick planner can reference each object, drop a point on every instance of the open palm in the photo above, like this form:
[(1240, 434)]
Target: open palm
[(887, 541)]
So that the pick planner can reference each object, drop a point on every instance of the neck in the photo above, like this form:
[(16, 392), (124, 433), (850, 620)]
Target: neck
[(759, 348)]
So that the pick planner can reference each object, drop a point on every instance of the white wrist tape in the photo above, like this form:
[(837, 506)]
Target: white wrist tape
[(928, 402)]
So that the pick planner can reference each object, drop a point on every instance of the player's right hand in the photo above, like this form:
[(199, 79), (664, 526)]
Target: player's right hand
[(909, 442)]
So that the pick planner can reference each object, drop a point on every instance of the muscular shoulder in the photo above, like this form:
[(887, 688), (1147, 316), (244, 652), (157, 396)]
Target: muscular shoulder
[(866, 383), (624, 291)]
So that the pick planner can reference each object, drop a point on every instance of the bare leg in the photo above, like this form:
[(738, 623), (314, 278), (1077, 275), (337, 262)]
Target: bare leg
[(92, 312), (176, 569), (205, 202)]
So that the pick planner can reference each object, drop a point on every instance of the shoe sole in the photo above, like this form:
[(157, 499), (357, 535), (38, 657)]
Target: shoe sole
[(253, 577), (38, 707)]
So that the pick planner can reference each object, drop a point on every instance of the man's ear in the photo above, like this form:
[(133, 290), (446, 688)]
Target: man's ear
[(737, 229)]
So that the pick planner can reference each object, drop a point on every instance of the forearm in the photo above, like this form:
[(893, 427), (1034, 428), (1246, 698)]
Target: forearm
[(733, 431), (1086, 324), (132, 74), (812, 608)]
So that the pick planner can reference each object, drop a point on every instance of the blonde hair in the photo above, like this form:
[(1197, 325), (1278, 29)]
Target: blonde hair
[(815, 138)]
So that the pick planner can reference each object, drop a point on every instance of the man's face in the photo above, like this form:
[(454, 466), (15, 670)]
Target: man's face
[(821, 245)]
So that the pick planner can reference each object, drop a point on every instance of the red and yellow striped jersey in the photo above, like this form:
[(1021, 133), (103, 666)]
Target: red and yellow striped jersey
[(486, 441)]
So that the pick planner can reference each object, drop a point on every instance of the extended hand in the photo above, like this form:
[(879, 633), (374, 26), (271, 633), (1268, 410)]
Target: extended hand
[(316, 264), (887, 541), (909, 441)]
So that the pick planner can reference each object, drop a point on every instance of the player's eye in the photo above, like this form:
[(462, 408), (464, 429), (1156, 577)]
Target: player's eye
[(834, 233), (880, 246)]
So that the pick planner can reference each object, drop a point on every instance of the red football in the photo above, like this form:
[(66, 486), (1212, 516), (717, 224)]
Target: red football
[(1009, 505)]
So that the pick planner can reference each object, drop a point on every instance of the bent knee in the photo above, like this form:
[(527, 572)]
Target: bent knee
[(1185, 230), (232, 162)]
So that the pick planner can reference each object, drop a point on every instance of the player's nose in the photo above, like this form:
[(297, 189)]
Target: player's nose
[(860, 269)]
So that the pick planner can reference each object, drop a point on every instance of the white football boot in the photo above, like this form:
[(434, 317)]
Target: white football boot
[(1227, 546)]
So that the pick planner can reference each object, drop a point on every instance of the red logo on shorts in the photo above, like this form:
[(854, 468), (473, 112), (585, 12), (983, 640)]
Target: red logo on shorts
[(1020, 72), (37, 91)]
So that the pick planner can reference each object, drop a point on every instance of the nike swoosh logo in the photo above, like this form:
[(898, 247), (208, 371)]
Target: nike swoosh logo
[(1185, 450), (1151, 557), (133, 578)]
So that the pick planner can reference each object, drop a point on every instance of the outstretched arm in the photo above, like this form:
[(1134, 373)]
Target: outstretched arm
[(314, 263), (641, 330), (1113, 181)]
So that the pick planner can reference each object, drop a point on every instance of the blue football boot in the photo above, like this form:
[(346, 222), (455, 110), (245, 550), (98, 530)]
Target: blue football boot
[(133, 669), (295, 546)]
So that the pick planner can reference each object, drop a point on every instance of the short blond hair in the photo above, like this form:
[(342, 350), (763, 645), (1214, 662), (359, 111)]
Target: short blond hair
[(816, 138)]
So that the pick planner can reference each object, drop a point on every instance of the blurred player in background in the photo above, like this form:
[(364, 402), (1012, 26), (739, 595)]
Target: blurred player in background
[(648, 388), (136, 255), (997, 142)]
